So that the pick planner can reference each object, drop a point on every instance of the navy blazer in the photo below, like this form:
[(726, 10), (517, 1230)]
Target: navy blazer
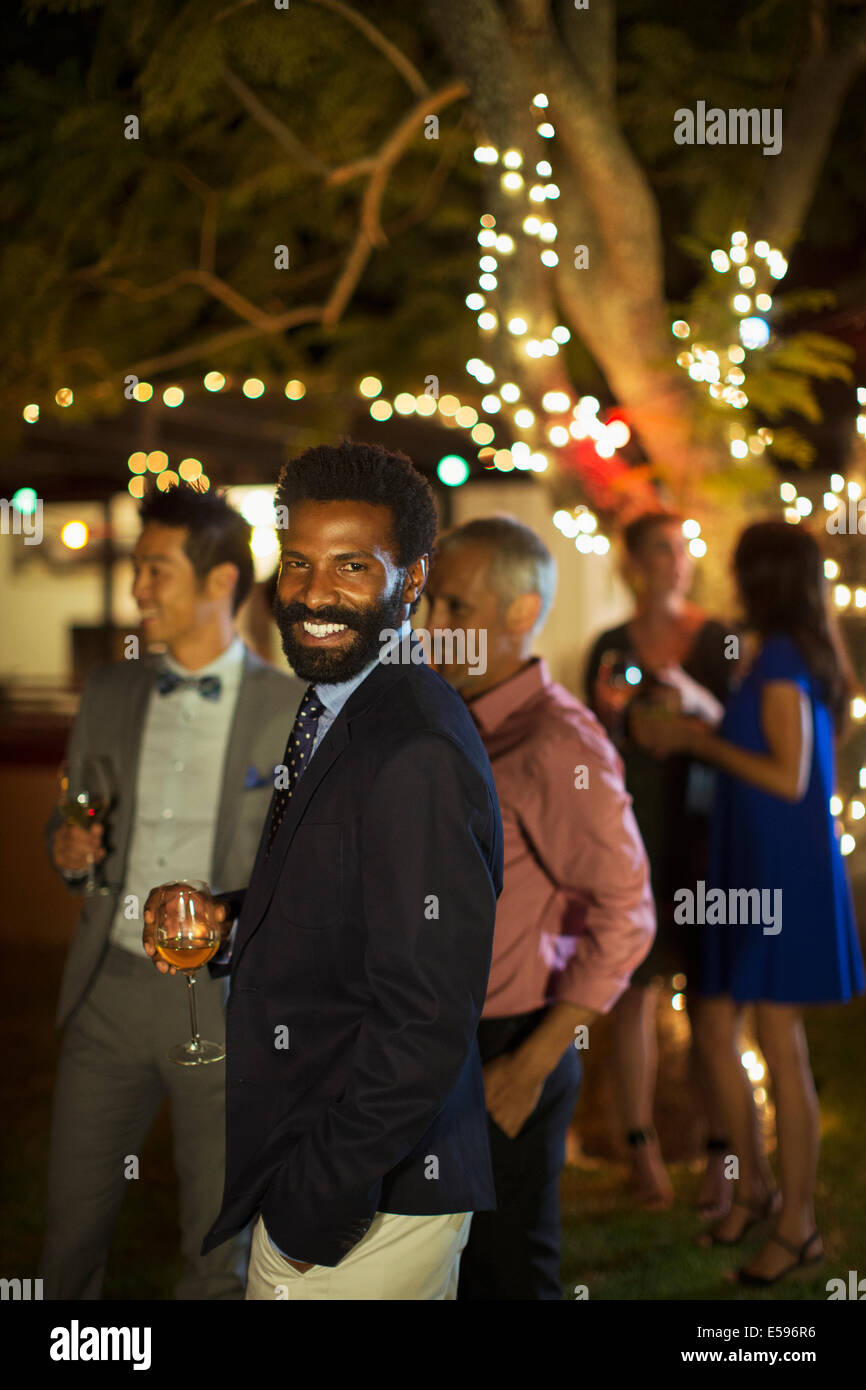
[(359, 971)]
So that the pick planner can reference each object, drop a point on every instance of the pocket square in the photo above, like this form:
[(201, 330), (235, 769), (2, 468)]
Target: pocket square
[(254, 779)]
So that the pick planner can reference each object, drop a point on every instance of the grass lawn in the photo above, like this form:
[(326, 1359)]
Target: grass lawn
[(617, 1253)]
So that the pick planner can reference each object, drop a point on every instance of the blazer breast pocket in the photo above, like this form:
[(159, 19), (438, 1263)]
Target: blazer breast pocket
[(310, 892)]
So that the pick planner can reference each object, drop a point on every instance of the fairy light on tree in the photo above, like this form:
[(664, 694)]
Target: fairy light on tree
[(555, 418)]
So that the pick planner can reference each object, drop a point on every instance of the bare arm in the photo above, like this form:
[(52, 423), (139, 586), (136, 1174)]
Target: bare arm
[(786, 722)]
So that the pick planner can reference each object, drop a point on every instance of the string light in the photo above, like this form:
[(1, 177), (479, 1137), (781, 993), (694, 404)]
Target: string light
[(577, 419), (75, 535), (841, 501), (721, 368)]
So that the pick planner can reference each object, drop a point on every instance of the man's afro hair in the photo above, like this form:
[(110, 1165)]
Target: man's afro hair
[(355, 472)]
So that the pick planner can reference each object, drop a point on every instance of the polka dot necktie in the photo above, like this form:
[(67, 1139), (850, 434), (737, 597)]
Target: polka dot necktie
[(297, 754)]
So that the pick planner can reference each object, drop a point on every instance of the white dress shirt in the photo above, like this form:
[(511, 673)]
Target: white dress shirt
[(180, 772)]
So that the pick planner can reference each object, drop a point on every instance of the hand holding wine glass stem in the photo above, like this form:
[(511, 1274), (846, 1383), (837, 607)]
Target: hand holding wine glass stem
[(169, 895), (75, 848)]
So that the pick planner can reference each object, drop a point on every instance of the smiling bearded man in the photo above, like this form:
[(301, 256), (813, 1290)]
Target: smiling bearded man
[(314, 657), (356, 1130)]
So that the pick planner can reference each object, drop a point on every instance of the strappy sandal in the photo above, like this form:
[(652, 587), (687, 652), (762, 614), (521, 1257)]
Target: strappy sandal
[(800, 1262), (760, 1211)]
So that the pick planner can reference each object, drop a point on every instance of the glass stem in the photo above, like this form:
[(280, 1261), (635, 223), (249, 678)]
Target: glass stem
[(193, 1020), (91, 874)]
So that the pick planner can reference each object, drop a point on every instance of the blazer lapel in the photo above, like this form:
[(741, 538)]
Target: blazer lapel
[(246, 716), (269, 866)]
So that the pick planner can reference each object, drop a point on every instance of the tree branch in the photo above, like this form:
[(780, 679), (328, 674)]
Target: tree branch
[(366, 165), (398, 59), (258, 323), (214, 286), (280, 131), (306, 313), (392, 149), (370, 232), (277, 323)]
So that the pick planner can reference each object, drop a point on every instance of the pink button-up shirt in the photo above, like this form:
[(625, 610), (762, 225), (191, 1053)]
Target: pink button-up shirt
[(576, 914)]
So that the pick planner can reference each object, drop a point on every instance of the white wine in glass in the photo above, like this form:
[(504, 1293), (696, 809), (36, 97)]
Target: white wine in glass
[(187, 937)]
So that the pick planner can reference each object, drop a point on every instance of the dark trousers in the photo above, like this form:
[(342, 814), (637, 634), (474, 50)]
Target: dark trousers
[(513, 1252)]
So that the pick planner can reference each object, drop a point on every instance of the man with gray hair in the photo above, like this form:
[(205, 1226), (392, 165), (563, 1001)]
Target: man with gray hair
[(576, 914)]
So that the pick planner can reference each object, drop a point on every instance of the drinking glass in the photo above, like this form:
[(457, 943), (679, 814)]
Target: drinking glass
[(187, 937), (84, 799)]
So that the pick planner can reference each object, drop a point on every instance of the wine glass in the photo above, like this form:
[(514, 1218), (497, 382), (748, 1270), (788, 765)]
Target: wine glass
[(187, 937), (85, 796)]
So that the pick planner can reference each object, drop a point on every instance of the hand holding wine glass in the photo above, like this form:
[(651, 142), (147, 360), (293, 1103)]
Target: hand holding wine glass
[(85, 793), (614, 689), (170, 891), (182, 926), (75, 848)]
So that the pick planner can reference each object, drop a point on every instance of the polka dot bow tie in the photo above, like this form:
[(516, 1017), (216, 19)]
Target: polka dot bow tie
[(208, 686), (297, 755)]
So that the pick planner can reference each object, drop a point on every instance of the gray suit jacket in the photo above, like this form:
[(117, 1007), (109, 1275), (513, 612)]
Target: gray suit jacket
[(109, 724)]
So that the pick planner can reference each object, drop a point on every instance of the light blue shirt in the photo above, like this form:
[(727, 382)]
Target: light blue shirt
[(334, 697)]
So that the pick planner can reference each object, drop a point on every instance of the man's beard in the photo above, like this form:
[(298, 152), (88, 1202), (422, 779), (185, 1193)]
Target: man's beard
[(332, 667)]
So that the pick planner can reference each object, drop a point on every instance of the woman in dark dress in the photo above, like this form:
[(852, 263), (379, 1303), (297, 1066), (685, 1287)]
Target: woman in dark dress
[(668, 654), (772, 831)]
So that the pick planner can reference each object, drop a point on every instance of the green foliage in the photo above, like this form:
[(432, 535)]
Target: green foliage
[(106, 224), (780, 378), (749, 477)]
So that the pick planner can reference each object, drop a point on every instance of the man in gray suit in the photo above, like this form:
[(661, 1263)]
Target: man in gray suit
[(192, 739)]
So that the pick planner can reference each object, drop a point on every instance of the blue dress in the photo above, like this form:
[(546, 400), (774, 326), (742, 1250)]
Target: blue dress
[(760, 841)]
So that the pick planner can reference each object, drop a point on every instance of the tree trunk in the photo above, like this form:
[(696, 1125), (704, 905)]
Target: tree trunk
[(617, 304)]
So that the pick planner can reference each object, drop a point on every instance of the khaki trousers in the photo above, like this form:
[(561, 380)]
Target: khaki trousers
[(400, 1257)]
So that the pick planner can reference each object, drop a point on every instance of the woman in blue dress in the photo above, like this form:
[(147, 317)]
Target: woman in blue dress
[(792, 940)]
